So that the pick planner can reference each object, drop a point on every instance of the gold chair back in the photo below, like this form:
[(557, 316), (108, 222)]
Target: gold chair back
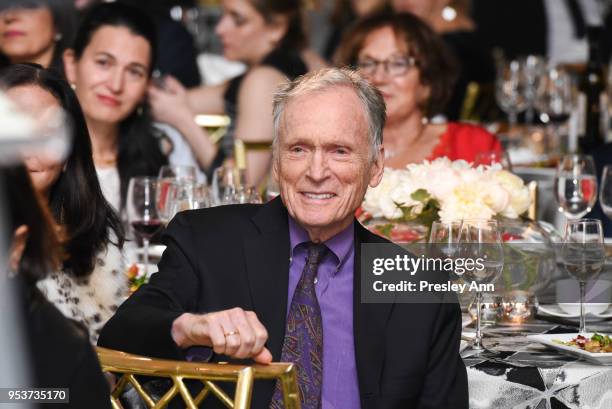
[(128, 366)]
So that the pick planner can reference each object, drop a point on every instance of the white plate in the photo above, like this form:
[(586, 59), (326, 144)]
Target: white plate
[(604, 358), (556, 311)]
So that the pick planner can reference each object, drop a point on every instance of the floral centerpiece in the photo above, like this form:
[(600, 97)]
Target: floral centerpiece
[(407, 201), (444, 190)]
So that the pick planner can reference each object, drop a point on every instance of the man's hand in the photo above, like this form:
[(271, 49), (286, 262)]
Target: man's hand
[(235, 333)]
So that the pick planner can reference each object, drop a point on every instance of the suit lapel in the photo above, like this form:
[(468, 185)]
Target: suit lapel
[(267, 264), (369, 323)]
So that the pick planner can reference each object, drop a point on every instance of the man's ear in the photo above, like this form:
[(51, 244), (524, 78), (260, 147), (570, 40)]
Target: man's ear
[(378, 167), (70, 65)]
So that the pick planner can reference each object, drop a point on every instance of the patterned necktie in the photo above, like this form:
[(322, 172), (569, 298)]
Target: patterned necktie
[(303, 344)]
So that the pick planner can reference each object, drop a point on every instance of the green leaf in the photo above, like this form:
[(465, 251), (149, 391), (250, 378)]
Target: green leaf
[(421, 195)]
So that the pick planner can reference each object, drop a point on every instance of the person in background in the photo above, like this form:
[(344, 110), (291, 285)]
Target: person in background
[(267, 36), (344, 14), (451, 20), (409, 63), (36, 31), (59, 351), (109, 66), (91, 283)]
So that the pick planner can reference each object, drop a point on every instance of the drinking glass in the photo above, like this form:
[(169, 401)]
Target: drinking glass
[(142, 211), (576, 185), (532, 68), (444, 237), (492, 158), (182, 196), (226, 182), (510, 90), (605, 192), (555, 100), (170, 175), (583, 255), (178, 172), (480, 241)]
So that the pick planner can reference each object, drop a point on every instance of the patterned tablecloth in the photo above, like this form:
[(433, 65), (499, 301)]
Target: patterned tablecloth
[(515, 373)]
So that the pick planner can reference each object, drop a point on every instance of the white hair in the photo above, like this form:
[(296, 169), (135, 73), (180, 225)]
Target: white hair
[(325, 79)]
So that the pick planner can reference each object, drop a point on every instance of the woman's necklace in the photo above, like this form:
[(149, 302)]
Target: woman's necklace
[(105, 160)]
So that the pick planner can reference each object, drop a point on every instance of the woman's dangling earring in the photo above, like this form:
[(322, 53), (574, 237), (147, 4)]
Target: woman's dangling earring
[(139, 110), (57, 37), (449, 13), (73, 86)]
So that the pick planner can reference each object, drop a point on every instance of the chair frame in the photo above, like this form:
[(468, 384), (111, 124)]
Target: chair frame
[(129, 366)]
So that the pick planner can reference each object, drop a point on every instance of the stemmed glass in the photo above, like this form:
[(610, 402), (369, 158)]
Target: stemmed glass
[(510, 90), (142, 211), (444, 237), (555, 100), (576, 185), (583, 255), (480, 241), (605, 192), (172, 177), (532, 67)]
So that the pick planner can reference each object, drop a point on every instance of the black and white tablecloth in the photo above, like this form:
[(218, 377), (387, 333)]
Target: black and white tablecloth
[(518, 374)]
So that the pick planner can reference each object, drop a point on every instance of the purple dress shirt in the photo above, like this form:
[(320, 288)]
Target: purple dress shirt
[(334, 288)]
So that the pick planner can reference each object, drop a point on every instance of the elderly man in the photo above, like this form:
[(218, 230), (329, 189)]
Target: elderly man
[(279, 282)]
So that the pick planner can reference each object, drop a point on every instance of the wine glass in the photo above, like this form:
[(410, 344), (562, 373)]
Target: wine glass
[(445, 236), (169, 176), (489, 158), (555, 100), (576, 185), (182, 196), (605, 192), (510, 90), (532, 67), (226, 182), (583, 255), (142, 210), (481, 242)]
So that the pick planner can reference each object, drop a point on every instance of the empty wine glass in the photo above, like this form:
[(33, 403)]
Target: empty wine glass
[(182, 196), (583, 255), (170, 175), (532, 67), (226, 182), (142, 211), (555, 100), (481, 242), (605, 192), (444, 237), (576, 185), (510, 90)]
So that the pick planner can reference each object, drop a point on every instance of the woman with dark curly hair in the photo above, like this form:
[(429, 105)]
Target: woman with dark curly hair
[(90, 285), (410, 65)]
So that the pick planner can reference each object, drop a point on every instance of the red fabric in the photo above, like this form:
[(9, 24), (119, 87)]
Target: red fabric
[(465, 141)]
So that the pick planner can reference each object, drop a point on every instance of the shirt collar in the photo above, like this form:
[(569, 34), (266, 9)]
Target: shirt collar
[(340, 244)]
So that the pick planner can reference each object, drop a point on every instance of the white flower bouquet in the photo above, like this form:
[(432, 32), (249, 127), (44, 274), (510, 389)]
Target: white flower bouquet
[(446, 190)]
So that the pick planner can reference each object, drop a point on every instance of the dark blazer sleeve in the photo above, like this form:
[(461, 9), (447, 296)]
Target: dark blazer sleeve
[(143, 323), (445, 384)]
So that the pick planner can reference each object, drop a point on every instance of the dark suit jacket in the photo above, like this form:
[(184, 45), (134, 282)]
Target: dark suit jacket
[(238, 256)]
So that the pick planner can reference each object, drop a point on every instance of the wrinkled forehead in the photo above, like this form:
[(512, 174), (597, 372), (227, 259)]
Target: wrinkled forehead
[(333, 112)]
